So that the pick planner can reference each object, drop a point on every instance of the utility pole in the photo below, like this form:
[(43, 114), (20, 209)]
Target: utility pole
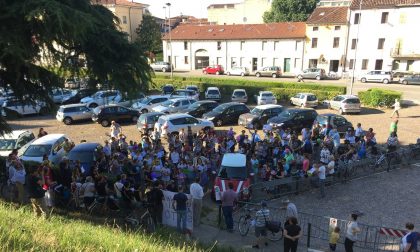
[(170, 39)]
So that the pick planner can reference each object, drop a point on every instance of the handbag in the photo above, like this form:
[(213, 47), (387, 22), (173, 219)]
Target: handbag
[(272, 226)]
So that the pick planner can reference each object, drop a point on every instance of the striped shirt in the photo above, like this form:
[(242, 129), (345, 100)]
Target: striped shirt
[(261, 216)]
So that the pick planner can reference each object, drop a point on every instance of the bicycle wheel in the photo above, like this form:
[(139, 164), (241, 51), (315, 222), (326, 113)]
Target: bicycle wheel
[(243, 225), (272, 236)]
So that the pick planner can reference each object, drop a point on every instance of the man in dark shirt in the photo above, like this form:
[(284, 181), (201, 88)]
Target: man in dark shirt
[(179, 203), (36, 192), (155, 198)]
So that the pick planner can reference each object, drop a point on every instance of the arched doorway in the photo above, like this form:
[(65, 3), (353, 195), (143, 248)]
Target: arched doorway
[(201, 59)]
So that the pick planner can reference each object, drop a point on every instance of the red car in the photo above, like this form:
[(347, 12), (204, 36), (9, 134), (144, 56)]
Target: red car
[(217, 69), (233, 169)]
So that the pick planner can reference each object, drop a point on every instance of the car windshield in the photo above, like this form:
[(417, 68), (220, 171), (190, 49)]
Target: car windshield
[(213, 92), (82, 156), (145, 100), (7, 144), (353, 101), (257, 111), (97, 95), (287, 114), (193, 89), (239, 93), (38, 150), (266, 94), (195, 105), (311, 98), (321, 119), (168, 103), (220, 108), (232, 172)]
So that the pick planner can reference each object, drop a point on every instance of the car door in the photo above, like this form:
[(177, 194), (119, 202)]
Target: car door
[(123, 114), (193, 123), (178, 124), (295, 98), (336, 102), (415, 80), (341, 123), (266, 114), (84, 113), (184, 104), (229, 115)]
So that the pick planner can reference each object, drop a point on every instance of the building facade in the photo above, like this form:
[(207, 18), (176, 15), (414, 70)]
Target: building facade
[(246, 12), (251, 46)]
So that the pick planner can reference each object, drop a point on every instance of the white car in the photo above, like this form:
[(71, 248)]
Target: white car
[(239, 95), (213, 93), (14, 107), (185, 93), (240, 71), (168, 124), (60, 95), (102, 98), (266, 97), (345, 104), (14, 140), (146, 104), (304, 100), (50, 145), (174, 105), (377, 76)]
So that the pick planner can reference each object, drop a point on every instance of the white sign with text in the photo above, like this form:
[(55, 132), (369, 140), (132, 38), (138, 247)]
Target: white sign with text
[(169, 214)]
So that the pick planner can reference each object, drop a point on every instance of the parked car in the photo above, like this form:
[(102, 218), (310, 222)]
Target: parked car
[(312, 73), (147, 121), (87, 154), (167, 89), (193, 88), (60, 95), (345, 104), (185, 93), (240, 71), (127, 102), (79, 94), (168, 124), (146, 104), (50, 145), (213, 93), (217, 69), (377, 76), (161, 66), (73, 112), (173, 105), (295, 119), (16, 107), (102, 98), (411, 79), (304, 100), (259, 116), (14, 140), (199, 108), (226, 113), (239, 95), (108, 113), (334, 121), (266, 97), (271, 71)]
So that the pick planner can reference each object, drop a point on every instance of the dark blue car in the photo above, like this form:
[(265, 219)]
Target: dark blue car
[(87, 154)]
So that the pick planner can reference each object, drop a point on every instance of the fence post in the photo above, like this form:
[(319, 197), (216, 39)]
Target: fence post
[(366, 236), (308, 242)]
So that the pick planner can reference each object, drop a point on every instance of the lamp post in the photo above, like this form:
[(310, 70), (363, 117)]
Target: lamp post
[(357, 47), (170, 38)]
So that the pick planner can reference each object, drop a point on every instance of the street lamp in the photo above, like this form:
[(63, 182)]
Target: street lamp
[(357, 47), (170, 38)]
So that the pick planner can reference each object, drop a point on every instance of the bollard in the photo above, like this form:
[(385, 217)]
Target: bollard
[(308, 242)]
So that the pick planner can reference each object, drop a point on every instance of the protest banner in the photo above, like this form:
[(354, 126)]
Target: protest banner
[(169, 214)]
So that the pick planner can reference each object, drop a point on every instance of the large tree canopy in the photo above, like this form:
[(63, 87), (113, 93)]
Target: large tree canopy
[(289, 10), (33, 32), (149, 35)]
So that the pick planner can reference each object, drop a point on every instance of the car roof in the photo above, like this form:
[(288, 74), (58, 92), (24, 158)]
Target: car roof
[(84, 147), (74, 105), (349, 96), (327, 114), (233, 160), (180, 99), (14, 134), (156, 96), (265, 92), (152, 113), (300, 109), (174, 116), (191, 86), (48, 139), (239, 89), (306, 93), (212, 88), (205, 101), (232, 103), (268, 106)]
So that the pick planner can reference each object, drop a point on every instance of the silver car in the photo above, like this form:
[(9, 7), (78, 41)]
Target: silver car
[(412, 79), (174, 105), (239, 95), (345, 104), (73, 112), (161, 66), (312, 73)]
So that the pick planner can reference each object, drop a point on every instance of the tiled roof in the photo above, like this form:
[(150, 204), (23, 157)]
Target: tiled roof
[(328, 15), (236, 32), (119, 2), (380, 4)]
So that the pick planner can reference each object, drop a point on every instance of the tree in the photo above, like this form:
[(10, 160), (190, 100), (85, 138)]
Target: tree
[(56, 31), (149, 35), (289, 11)]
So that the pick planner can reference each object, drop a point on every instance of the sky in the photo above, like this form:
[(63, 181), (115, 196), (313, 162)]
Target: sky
[(196, 8)]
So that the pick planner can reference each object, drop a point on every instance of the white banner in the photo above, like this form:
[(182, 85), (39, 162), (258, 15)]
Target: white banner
[(169, 214)]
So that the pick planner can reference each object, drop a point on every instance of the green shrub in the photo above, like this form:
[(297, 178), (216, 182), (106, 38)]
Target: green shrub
[(373, 97)]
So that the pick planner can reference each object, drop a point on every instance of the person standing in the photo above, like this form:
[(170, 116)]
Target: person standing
[(393, 127), (351, 233), (359, 132), (179, 203), (262, 216), (36, 192), (197, 193), (115, 129), (397, 107), (291, 210), (292, 233), (322, 176), (228, 198), (155, 199), (18, 179), (410, 240), (42, 133)]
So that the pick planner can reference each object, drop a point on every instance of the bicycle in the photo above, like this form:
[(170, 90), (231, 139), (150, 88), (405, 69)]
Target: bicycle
[(145, 220), (246, 222)]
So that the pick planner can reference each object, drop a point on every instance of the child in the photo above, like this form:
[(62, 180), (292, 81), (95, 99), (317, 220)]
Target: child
[(334, 237)]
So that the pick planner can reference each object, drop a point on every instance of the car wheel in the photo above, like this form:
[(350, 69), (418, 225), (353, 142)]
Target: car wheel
[(300, 77), (217, 73), (258, 75), (228, 73), (205, 72), (363, 80), (144, 111), (219, 122), (93, 105), (164, 70), (105, 123), (134, 119), (404, 82), (318, 77), (274, 75), (340, 112), (68, 121), (242, 74), (386, 81)]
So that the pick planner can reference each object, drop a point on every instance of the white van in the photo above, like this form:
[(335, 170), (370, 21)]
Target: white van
[(51, 145)]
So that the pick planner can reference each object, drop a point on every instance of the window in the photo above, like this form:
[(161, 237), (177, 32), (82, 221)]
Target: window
[(124, 19), (313, 63), (365, 63), (381, 43), (378, 64), (276, 45), (351, 64), (409, 65), (337, 27), (185, 59), (264, 45), (353, 44), (314, 42), (185, 45), (242, 45), (356, 18), (336, 43), (384, 18), (263, 61), (315, 28), (219, 45)]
